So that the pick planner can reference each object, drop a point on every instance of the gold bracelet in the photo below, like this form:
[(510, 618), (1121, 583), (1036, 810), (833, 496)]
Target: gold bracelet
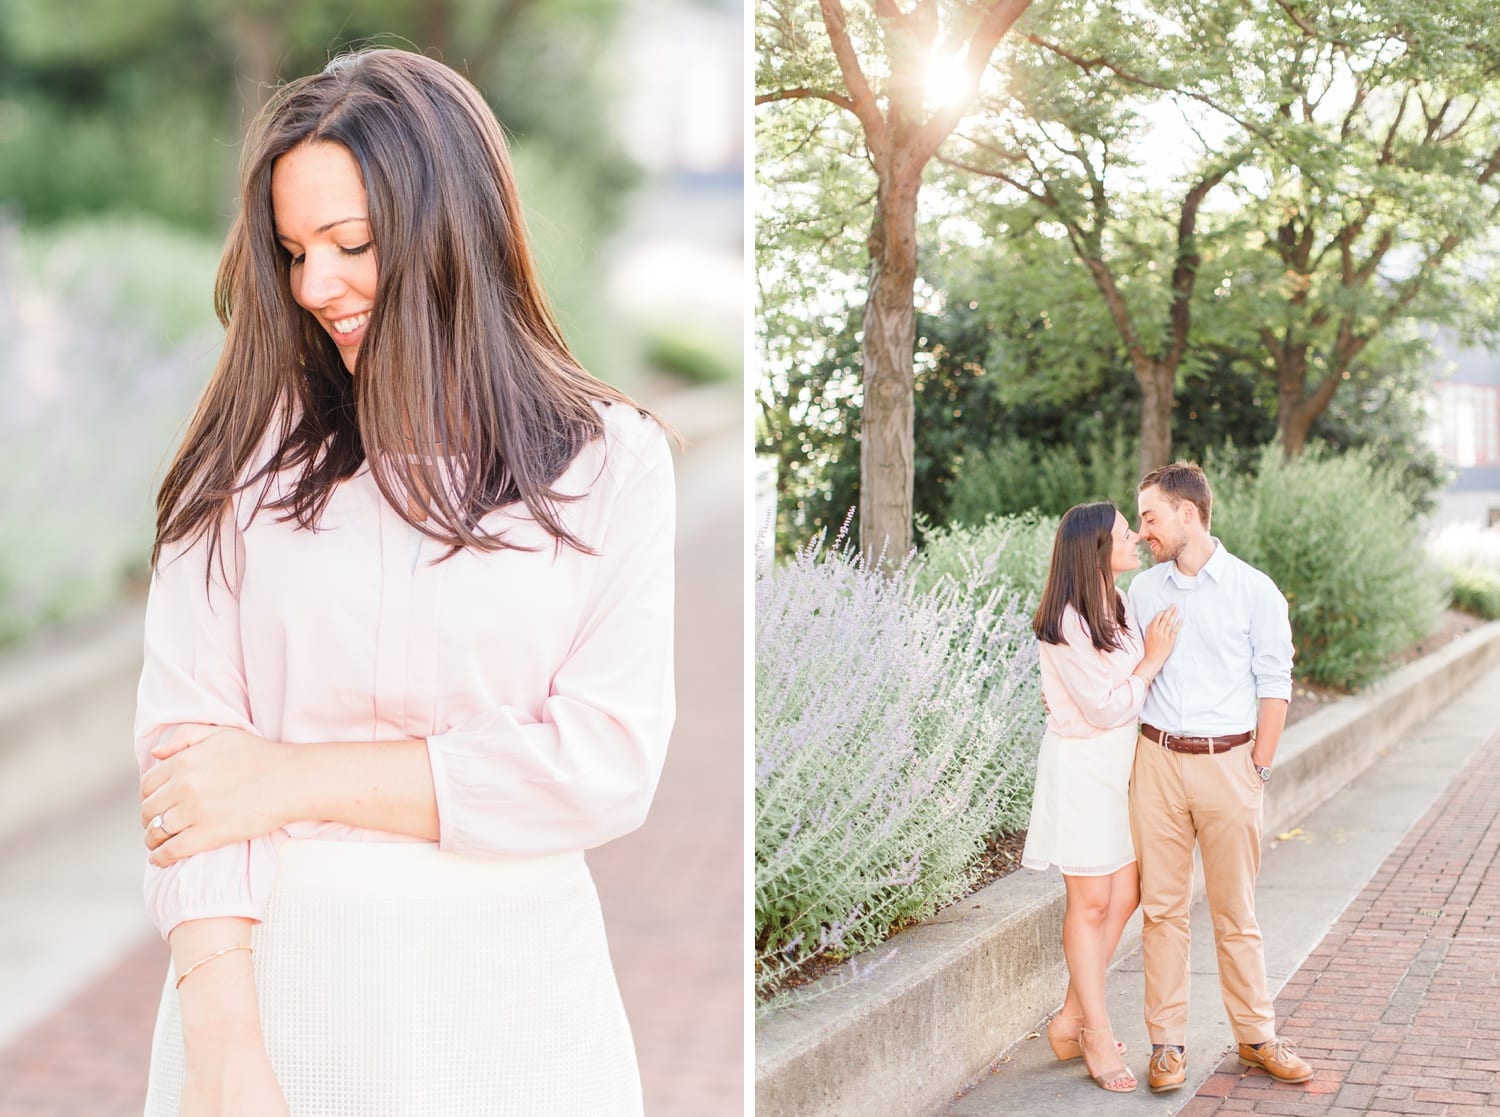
[(209, 958)]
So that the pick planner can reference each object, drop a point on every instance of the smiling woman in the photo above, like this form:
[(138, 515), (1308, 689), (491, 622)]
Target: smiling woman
[(333, 270), (408, 643)]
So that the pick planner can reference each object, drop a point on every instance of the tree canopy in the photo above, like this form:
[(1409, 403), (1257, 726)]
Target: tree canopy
[(1157, 211), (141, 106)]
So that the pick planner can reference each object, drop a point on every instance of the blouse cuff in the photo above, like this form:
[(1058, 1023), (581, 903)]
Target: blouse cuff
[(504, 786), (232, 881)]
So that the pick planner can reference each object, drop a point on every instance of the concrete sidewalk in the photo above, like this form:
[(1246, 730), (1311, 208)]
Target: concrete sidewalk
[(1378, 990), (81, 970)]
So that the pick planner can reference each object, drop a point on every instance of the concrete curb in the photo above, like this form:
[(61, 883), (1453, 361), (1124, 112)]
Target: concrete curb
[(929, 1012)]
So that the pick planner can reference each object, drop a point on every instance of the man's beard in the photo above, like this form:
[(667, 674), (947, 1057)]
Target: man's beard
[(1170, 551)]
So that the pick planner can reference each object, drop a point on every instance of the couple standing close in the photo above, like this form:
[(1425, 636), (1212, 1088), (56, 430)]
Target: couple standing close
[(1163, 718)]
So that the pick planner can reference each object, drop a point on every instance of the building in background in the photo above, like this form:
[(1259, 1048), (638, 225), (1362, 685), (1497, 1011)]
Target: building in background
[(677, 266), (1465, 430)]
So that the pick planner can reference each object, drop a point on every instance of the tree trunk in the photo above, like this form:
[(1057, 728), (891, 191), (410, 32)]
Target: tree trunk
[(886, 451), (257, 40), (1291, 432), (1294, 416), (1158, 392), (437, 32)]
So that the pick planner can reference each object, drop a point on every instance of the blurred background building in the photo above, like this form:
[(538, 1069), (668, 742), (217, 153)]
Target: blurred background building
[(1465, 430)]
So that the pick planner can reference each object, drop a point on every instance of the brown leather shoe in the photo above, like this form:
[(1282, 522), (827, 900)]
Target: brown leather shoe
[(1278, 1060), (1167, 1070)]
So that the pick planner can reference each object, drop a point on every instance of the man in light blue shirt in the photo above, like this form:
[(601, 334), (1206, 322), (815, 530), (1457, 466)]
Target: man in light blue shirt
[(1209, 730)]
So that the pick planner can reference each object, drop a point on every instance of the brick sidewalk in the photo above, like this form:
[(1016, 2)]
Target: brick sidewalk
[(89, 1058), (1396, 1008)]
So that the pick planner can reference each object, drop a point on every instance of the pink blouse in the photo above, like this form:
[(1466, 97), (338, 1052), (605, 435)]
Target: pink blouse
[(1089, 692), (541, 680)]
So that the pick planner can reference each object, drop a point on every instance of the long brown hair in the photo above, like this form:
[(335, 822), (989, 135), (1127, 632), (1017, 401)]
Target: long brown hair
[(1078, 576), (462, 351)]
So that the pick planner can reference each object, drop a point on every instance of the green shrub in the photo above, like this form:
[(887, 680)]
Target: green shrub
[(109, 334), (1011, 477), (137, 271), (1339, 537), (1006, 553), (692, 353), (569, 246), (1476, 590)]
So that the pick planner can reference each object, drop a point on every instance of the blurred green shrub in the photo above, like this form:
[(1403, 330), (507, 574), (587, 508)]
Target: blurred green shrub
[(569, 252), (1338, 535), (1008, 554), (1476, 590), (691, 355), (110, 335), (1014, 476), (137, 271), (61, 161)]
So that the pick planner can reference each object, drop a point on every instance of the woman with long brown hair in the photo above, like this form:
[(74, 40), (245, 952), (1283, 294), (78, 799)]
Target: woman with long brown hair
[(1095, 671), (408, 643)]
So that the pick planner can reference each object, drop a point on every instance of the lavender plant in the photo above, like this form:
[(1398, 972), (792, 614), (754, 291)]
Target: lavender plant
[(895, 729)]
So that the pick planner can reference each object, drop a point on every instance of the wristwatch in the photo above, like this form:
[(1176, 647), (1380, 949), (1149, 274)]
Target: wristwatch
[(1265, 773)]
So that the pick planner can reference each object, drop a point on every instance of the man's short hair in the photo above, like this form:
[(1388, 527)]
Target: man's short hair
[(1182, 481)]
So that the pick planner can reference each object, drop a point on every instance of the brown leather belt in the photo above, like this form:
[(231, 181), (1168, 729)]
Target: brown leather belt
[(1194, 746)]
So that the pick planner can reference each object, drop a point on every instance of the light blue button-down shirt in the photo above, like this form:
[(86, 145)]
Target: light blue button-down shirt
[(1234, 649)]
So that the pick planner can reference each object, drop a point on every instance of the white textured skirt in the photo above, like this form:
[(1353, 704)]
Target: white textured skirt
[(396, 980), (1080, 809)]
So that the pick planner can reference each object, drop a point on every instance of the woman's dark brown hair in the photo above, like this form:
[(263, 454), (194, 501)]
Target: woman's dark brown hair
[(1080, 576), (462, 352)]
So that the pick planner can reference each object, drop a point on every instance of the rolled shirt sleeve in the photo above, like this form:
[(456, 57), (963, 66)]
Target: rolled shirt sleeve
[(1270, 641), (585, 771), (194, 672)]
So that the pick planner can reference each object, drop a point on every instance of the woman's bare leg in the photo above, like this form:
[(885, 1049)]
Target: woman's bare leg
[(1084, 922), (1124, 898)]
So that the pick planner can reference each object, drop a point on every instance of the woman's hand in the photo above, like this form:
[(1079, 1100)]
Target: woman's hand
[(1160, 637), (213, 786)]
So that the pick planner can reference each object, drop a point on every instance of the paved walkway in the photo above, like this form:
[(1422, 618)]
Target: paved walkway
[(672, 892), (1381, 918), (1398, 1008)]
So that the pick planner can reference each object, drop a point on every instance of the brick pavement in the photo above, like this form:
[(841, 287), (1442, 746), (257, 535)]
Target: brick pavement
[(672, 892), (89, 1058), (1396, 1008)]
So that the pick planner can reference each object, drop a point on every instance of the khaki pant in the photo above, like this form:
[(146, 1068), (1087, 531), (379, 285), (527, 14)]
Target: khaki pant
[(1176, 799)]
